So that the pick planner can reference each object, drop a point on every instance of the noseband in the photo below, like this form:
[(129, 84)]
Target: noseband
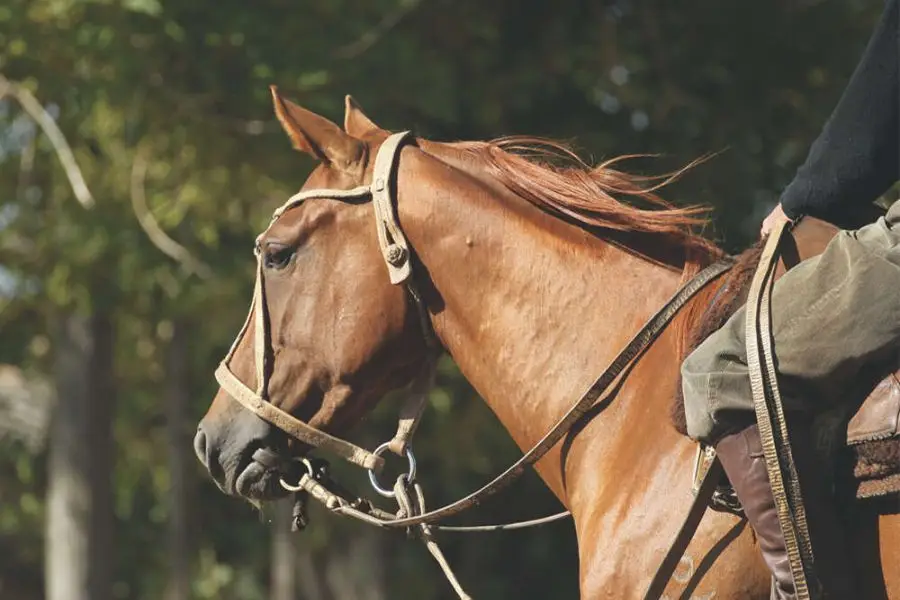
[(396, 254)]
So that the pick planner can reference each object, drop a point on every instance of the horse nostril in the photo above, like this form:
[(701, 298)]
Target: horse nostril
[(200, 444)]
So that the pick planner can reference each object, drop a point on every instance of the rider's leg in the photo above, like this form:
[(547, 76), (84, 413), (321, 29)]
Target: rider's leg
[(832, 314), (742, 458)]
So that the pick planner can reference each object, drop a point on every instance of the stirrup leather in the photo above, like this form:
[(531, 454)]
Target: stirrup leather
[(724, 499)]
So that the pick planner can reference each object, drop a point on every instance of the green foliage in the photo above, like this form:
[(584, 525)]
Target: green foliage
[(181, 86)]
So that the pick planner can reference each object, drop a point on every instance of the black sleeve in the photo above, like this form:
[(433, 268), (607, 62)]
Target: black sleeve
[(855, 159)]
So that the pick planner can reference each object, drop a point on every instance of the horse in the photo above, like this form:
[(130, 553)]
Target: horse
[(532, 275)]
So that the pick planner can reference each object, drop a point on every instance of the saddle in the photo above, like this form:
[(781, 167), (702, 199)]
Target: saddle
[(861, 437)]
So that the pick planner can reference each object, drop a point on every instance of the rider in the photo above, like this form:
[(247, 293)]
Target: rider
[(833, 314)]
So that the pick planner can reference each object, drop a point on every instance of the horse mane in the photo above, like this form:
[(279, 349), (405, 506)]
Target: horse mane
[(550, 174)]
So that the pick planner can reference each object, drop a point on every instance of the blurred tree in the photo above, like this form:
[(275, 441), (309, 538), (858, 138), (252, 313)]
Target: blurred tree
[(177, 432), (79, 513)]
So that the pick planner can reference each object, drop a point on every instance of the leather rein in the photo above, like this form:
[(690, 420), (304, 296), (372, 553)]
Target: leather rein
[(396, 253), (772, 422)]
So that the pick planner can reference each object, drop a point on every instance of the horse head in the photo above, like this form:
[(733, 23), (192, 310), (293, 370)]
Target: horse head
[(327, 334)]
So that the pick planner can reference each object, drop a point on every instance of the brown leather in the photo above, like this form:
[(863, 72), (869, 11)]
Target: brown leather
[(742, 458), (878, 417), (807, 239)]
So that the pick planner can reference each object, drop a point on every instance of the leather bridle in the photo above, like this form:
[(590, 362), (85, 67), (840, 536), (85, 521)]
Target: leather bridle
[(396, 253)]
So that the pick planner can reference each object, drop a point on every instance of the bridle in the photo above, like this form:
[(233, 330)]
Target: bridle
[(396, 253), (397, 257)]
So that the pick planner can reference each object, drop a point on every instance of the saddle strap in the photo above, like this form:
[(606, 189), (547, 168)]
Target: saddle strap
[(686, 533)]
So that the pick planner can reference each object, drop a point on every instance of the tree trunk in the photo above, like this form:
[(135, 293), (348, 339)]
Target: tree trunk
[(310, 579), (284, 560), (177, 398), (79, 523), (355, 568)]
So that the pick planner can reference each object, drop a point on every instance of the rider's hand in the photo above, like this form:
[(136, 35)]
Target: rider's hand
[(776, 216)]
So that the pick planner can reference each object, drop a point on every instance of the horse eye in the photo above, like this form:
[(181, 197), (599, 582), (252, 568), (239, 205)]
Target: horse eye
[(277, 256)]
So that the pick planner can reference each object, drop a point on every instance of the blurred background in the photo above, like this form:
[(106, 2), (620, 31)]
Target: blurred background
[(119, 294)]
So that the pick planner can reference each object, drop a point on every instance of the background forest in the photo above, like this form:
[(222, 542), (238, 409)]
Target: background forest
[(118, 296)]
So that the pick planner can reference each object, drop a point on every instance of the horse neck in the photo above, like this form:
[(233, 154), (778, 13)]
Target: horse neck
[(530, 307)]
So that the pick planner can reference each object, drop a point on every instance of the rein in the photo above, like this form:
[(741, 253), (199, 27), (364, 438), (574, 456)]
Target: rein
[(773, 431), (772, 423), (315, 482)]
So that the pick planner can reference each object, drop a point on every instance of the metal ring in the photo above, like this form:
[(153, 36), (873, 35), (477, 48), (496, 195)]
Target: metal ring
[(410, 475), (298, 488)]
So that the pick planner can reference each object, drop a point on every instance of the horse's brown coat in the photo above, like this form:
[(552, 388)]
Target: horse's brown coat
[(532, 307)]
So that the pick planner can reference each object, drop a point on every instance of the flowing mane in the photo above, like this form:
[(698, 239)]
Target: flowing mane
[(552, 176)]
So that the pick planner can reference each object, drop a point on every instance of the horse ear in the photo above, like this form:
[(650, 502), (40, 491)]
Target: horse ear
[(356, 123), (317, 135)]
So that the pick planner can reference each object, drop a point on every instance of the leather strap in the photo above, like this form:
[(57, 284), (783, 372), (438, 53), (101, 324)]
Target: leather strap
[(685, 533), (641, 340), (394, 247), (412, 410), (772, 424), (771, 420), (260, 332), (293, 426)]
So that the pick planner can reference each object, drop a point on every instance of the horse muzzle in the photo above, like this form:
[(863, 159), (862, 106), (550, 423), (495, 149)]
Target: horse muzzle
[(244, 455)]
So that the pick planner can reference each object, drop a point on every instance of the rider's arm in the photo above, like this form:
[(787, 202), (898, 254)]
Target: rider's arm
[(856, 157)]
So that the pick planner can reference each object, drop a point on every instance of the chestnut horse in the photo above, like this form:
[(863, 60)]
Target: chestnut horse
[(534, 276)]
